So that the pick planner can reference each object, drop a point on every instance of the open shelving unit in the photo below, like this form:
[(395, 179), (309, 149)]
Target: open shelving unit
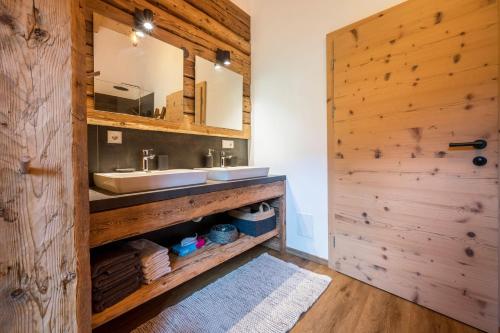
[(121, 223), (183, 269)]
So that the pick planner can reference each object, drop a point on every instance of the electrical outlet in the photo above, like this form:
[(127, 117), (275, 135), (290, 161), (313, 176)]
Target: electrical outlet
[(227, 144), (305, 224), (115, 137)]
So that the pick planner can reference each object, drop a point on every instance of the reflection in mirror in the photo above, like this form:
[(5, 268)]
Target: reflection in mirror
[(218, 96), (137, 76)]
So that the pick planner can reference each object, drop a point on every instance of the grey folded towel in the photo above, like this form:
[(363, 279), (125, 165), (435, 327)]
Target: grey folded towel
[(111, 299), (111, 260), (106, 280)]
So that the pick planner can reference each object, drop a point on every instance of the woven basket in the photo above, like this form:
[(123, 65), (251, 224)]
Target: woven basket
[(223, 233), (254, 224)]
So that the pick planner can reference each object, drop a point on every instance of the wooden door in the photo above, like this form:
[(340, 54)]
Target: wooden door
[(407, 213)]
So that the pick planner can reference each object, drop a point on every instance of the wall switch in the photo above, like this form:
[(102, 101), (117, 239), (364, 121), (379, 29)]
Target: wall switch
[(305, 225), (227, 144), (115, 137)]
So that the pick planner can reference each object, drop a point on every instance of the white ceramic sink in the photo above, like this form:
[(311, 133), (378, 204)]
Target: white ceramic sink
[(234, 173), (139, 181)]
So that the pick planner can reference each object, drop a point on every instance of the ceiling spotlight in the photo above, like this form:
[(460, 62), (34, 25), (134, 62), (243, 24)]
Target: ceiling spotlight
[(143, 22), (147, 19), (223, 57)]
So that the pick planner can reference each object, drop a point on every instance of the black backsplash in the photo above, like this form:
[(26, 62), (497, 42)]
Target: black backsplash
[(185, 151)]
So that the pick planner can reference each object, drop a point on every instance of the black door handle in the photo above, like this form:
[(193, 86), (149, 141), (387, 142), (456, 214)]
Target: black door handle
[(478, 144)]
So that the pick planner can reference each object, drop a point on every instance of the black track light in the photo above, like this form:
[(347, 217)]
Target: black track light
[(222, 58), (143, 22)]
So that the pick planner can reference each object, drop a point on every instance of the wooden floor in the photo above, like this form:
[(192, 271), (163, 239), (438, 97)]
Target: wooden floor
[(347, 305)]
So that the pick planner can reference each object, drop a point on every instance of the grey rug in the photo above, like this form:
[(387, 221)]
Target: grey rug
[(265, 295)]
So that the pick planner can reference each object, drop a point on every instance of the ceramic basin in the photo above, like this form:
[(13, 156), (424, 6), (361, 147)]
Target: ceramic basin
[(139, 181), (234, 173)]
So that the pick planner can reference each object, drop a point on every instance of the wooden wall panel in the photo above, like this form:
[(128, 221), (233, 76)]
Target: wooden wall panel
[(199, 27), (408, 214), (44, 264)]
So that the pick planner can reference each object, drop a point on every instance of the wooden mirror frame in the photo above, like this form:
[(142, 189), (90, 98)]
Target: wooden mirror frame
[(240, 64)]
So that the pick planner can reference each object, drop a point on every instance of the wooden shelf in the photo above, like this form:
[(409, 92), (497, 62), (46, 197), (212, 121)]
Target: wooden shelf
[(183, 269), (112, 225), (187, 126)]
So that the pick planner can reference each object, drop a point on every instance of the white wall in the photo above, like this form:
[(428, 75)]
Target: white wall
[(289, 103), (245, 5)]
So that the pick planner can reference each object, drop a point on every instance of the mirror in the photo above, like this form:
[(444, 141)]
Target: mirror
[(218, 96), (136, 76)]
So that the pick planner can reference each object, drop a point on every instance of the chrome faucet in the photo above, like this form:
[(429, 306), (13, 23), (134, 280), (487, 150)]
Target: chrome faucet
[(147, 154), (223, 159)]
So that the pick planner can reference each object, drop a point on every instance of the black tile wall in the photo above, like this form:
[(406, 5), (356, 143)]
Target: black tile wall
[(185, 151)]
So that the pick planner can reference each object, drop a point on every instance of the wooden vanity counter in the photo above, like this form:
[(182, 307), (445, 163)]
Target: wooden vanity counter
[(115, 217), (101, 200)]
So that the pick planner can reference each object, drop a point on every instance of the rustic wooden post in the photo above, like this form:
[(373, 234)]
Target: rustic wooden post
[(44, 266)]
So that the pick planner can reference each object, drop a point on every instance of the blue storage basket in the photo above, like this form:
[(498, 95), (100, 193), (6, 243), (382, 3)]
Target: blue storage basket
[(254, 224)]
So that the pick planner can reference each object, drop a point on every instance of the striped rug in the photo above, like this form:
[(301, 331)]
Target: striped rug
[(266, 295)]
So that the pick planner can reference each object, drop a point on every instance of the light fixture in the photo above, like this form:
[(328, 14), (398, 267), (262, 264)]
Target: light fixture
[(134, 38), (147, 21), (143, 22), (222, 58), (139, 33), (148, 25)]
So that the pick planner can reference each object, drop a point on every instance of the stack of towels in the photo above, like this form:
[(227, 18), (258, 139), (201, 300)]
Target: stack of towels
[(154, 259), (116, 273)]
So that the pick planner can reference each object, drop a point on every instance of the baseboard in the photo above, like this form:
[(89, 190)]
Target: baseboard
[(273, 244)]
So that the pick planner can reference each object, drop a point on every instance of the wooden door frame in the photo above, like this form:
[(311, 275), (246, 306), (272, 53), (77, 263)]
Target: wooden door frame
[(330, 117)]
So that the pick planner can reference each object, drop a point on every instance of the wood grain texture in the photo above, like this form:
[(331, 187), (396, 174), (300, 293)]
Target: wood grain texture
[(44, 268), (121, 223), (183, 269), (347, 305), (200, 103), (407, 214), (80, 167), (198, 27), (226, 13), (144, 123)]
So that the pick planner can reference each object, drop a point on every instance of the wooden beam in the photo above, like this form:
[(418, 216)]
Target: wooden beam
[(122, 223), (205, 22), (226, 13), (44, 268), (145, 123), (79, 163)]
